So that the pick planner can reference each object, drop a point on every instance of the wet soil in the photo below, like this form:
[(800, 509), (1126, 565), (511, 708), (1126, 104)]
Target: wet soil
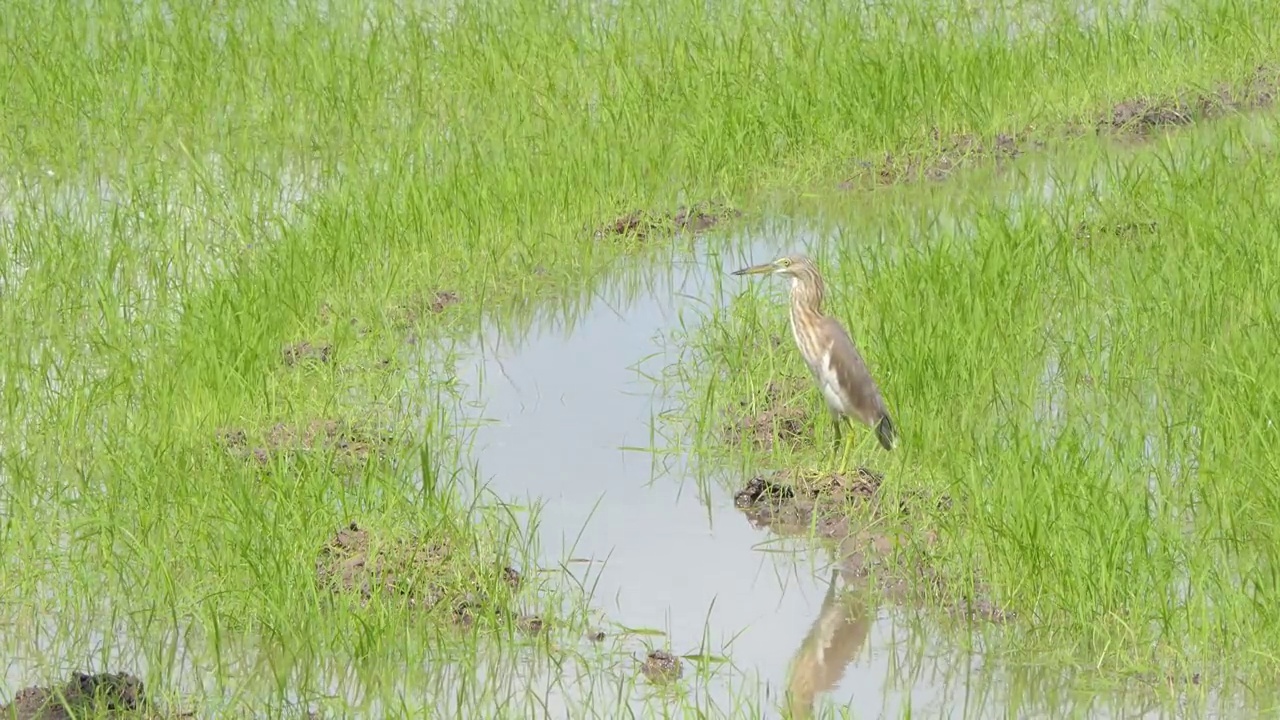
[(424, 574), (945, 156), (778, 418), (1137, 118), (304, 352), (644, 224), (1094, 231), (530, 624), (409, 313), (847, 508), (329, 316), (117, 695), (661, 667), (1144, 115), (414, 309), (347, 440), (793, 502)]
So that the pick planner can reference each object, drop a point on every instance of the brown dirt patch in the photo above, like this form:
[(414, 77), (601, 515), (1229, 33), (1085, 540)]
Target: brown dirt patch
[(443, 299), (644, 224), (791, 502), (777, 418), (530, 624), (1137, 117), (412, 310), (424, 574), (118, 695), (410, 313), (348, 441), (661, 667), (306, 352), (946, 155), (327, 316), (1144, 115), (1126, 231)]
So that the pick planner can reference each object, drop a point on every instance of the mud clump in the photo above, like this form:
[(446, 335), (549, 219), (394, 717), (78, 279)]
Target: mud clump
[(410, 313), (305, 352), (530, 624), (642, 224), (423, 574), (777, 423), (793, 501), (1127, 231), (232, 438), (443, 299), (349, 563), (948, 154), (1137, 117), (1142, 115), (661, 667), (117, 695), (781, 425), (414, 309), (348, 441), (327, 316)]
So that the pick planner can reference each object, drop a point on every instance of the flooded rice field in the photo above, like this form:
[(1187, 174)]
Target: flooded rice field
[(387, 361)]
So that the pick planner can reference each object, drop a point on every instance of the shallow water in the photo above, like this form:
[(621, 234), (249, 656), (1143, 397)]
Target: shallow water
[(564, 415)]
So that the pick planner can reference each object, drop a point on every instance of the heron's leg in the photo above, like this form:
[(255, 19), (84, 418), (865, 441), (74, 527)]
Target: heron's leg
[(844, 455), (844, 438)]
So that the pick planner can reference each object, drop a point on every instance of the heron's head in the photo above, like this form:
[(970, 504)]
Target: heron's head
[(790, 266)]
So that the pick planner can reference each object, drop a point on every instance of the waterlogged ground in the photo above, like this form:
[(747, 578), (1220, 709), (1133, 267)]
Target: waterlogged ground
[(590, 415), (379, 361)]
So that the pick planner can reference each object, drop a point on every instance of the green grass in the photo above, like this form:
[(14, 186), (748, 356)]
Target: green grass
[(186, 188), (1097, 407)]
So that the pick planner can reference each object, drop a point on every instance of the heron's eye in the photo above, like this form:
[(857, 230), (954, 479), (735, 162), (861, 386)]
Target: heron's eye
[(785, 262)]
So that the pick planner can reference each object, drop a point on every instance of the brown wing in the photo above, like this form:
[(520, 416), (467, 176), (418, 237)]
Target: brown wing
[(852, 374)]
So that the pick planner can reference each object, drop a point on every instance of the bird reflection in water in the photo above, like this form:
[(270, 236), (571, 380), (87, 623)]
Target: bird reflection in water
[(837, 635)]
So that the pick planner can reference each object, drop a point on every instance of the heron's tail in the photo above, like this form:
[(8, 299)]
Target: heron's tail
[(886, 432)]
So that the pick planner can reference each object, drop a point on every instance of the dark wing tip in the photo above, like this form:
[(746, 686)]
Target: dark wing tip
[(886, 432)]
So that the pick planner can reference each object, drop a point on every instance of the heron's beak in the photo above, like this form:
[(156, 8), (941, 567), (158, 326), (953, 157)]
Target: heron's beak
[(764, 269)]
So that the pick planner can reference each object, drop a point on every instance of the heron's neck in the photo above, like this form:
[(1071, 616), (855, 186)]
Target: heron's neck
[(806, 298)]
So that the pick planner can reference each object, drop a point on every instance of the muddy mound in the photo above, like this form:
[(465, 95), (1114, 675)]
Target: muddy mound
[(345, 439), (407, 567), (644, 225), (661, 667), (424, 574), (1137, 118), (1094, 231), (304, 352), (116, 695), (847, 507), (776, 419), (410, 311), (792, 501), (937, 162)]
